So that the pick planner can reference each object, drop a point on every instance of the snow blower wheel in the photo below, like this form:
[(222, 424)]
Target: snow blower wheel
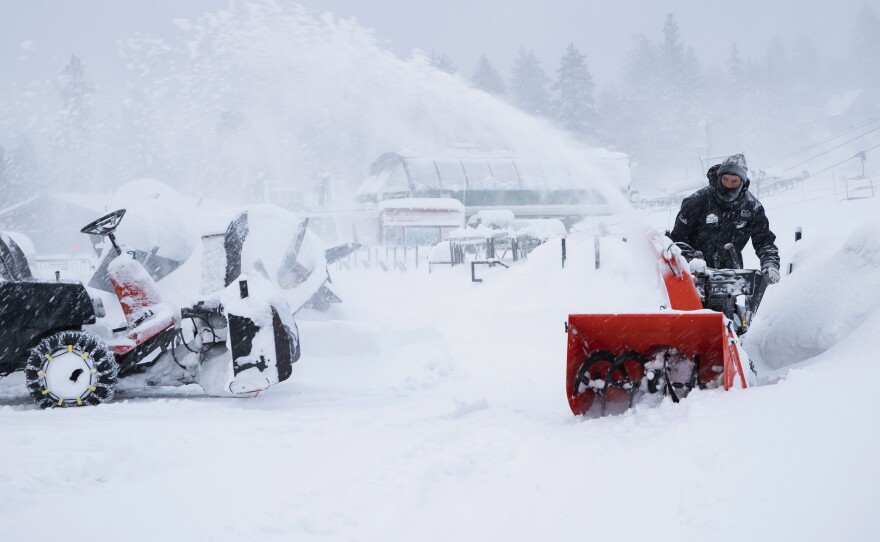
[(71, 369)]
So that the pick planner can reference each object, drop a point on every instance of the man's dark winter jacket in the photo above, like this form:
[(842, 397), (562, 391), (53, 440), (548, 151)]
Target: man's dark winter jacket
[(706, 223)]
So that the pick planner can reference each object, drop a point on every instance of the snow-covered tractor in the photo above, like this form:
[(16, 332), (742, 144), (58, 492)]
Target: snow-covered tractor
[(241, 338)]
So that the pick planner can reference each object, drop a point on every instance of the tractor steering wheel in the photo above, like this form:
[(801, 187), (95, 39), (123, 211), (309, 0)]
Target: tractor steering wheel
[(105, 225)]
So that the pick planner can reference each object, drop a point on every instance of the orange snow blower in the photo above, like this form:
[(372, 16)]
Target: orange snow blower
[(614, 359)]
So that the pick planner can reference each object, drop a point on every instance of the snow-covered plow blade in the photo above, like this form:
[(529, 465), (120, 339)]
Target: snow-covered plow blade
[(615, 358)]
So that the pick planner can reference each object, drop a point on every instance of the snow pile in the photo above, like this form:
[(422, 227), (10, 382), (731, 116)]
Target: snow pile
[(823, 300), (157, 218), (435, 409), (271, 241)]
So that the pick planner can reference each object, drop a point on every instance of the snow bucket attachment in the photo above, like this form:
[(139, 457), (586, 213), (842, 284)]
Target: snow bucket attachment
[(612, 358)]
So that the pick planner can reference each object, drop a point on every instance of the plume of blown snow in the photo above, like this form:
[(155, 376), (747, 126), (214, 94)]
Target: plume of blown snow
[(266, 93)]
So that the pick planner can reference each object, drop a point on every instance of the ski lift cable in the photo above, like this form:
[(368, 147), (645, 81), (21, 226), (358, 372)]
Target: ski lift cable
[(832, 149), (839, 134), (857, 155), (843, 161), (856, 126)]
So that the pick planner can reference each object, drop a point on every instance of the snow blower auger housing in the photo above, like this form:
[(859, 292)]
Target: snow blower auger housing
[(614, 359)]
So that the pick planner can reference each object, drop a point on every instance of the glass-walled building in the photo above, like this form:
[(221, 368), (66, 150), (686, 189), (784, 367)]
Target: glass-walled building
[(497, 181)]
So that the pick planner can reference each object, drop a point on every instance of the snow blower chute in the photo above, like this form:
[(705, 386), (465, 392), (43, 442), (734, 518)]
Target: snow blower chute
[(613, 359)]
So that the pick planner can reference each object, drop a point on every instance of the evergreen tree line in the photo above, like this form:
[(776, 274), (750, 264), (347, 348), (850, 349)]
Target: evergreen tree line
[(665, 110), (668, 112)]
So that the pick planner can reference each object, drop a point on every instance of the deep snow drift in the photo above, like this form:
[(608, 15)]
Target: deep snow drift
[(428, 407), (845, 294)]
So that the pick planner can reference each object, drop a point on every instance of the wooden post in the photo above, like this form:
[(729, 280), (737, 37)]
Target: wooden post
[(563, 252), (798, 235)]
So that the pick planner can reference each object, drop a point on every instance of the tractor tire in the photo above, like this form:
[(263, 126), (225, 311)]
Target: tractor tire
[(71, 369)]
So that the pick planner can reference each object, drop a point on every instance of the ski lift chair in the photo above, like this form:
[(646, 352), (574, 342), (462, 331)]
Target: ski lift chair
[(861, 186)]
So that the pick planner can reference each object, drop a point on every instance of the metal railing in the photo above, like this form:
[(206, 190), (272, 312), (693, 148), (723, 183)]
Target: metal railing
[(385, 258), (71, 268)]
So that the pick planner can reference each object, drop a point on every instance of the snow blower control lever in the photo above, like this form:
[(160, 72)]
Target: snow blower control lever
[(732, 251)]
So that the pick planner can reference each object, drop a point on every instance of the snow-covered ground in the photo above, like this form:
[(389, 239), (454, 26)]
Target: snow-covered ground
[(428, 407)]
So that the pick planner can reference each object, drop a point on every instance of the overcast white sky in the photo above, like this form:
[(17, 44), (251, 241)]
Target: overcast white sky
[(37, 36), (602, 29)]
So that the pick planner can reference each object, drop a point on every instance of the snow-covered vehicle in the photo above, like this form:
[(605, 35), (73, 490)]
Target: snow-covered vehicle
[(238, 337), (241, 337), (613, 359)]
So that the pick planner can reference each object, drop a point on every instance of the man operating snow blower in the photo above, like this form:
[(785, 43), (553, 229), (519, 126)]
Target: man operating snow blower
[(718, 221), (617, 359)]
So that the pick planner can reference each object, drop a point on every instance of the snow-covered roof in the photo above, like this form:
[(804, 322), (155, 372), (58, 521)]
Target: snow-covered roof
[(96, 202), (500, 218), (424, 204), (395, 173)]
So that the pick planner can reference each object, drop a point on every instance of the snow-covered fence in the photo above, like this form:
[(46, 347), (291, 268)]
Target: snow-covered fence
[(658, 203), (69, 268), (386, 258), (760, 186), (770, 185)]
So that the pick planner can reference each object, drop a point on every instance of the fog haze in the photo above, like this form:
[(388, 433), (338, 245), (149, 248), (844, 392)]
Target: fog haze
[(602, 29), (660, 81)]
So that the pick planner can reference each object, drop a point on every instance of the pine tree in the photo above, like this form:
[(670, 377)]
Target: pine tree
[(805, 58), (528, 84), (659, 114), (626, 113), (778, 62), (487, 78), (574, 104), (74, 88), (806, 82), (5, 181), (75, 136), (679, 68), (736, 73), (23, 165), (736, 81), (443, 63), (866, 48), (672, 50)]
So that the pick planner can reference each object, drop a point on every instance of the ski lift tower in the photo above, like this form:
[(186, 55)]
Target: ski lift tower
[(706, 148)]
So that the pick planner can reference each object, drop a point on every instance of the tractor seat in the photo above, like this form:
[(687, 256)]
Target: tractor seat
[(14, 265)]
